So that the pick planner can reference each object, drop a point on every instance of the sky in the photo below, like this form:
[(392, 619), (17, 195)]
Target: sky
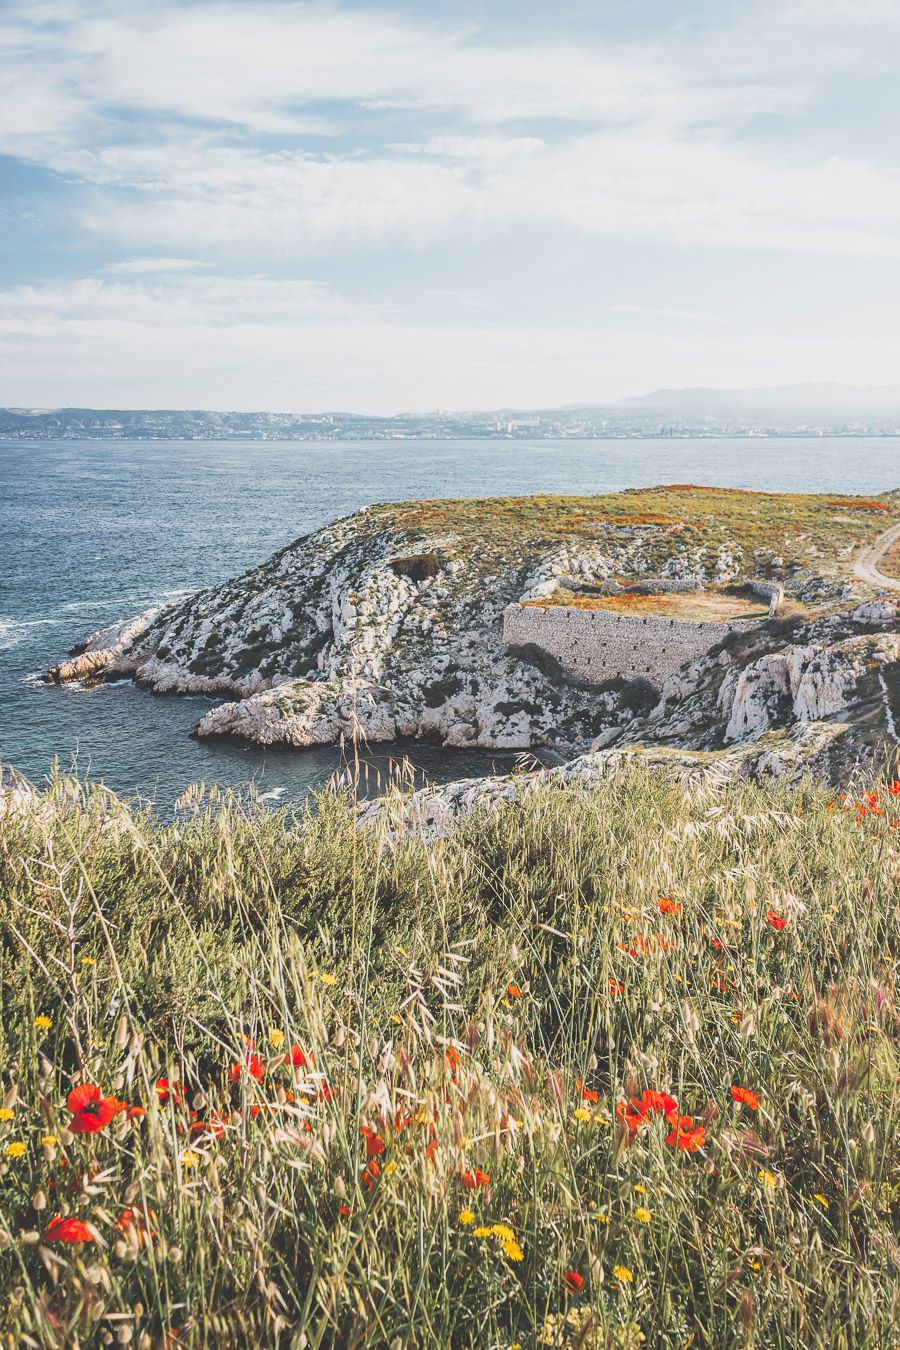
[(381, 207)]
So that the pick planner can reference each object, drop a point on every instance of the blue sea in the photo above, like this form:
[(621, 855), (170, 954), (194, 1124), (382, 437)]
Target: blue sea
[(95, 531)]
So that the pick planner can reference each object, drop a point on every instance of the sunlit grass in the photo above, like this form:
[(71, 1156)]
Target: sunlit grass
[(405, 1078)]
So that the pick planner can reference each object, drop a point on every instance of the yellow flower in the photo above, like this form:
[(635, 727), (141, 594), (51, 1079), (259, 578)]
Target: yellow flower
[(15, 1150), (189, 1159), (44, 1023), (88, 961), (640, 1189), (512, 1251), (49, 1140), (821, 1199), (330, 980), (6, 1113), (395, 1017), (467, 1218), (390, 1167), (483, 1232), (623, 1275), (602, 1218), (768, 1178), (276, 1037), (642, 1215), (582, 1113), (503, 1231)]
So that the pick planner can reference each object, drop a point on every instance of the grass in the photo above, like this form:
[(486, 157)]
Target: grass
[(696, 606), (457, 1159)]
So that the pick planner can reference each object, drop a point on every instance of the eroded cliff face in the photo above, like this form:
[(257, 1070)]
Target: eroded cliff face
[(383, 627)]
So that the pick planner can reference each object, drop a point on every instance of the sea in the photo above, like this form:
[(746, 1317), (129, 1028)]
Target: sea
[(95, 531)]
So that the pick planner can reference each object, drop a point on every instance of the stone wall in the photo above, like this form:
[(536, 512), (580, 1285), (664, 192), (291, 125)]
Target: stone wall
[(599, 645)]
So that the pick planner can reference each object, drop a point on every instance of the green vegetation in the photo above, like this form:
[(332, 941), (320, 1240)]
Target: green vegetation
[(460, 1149)]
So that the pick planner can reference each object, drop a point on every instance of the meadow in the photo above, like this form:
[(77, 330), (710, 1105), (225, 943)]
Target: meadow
[(609, 1067)]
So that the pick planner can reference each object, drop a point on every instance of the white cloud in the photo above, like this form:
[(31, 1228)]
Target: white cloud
[(141, 266), (654, 312)]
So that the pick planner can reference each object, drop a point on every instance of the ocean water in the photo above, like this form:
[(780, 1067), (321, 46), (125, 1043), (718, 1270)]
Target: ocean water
[(95, 531)]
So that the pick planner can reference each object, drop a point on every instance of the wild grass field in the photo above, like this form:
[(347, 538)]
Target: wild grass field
[(610, 1068)]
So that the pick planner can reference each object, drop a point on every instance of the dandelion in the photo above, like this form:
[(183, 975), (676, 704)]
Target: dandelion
[(745, 1096), (483, 1232), (189, 1158), (820, 1199), (776, 920), (67, 1229), (15, 1149), (6, 1113), (582, 1113), (88, 961), (768, 1179), (43, 1023), (466, 1218), (49, 1140), (276, 1038), (623, 1275), (640, 1189), (573, 1281), (512, 1251), (330, 980), (642, 1215)]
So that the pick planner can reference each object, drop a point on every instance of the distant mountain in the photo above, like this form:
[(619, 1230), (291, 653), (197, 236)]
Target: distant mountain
[(828, 397)]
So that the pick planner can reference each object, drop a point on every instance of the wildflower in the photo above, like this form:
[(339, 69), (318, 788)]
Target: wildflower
[(189, 1158), (466, 1218), (616, 988), (43, 1023), (483, 1232), (49, 1140), (623, 1275), (503, 1232), (582, 1113), (371, 1173), (587, 1094), (658, 1101), (667, 906), (640, 1189), (820, 1198), (330, 980), (6, 1113), (68, 1230), (514, 991), (88, 961), (474, 1180), (91, 1111), (276, 1038), (768, 1179), (374, 1142), (685, 1135), (742, 1094), (512, 1251), (165, 1090), (776, 920), (631, 1117), (15, 1149), (573, 1281), (136, 1221), (642, 1215), (894, 788), (295, 1058), (254, 1066)]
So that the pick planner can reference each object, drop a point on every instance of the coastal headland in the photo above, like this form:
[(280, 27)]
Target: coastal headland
[(748, 625)]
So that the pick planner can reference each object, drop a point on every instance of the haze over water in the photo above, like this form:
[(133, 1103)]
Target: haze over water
[(97, 531)]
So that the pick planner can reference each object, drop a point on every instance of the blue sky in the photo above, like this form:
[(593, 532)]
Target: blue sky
[(391, 206)]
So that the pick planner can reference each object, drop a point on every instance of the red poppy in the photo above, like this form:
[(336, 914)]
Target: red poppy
[(138, 1220), (587, 1094), (894, 788), (374, 1142), (68, 1230), (615, 987), (296, 1058), (135, 1112), (514, 991), (253, 1065), (776, 920), (165, 1090), (214, 1126), (452, 1057), (473, 1180), (371, 1173), (667, 906), (431, 1151), (659, 1101), (572, 1280), (91, 1111), (631, 1115), (345, 1211), (685, 1135), (741, 1094)]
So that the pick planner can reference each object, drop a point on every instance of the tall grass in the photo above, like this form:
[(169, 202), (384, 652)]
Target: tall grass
[(455, 1158)]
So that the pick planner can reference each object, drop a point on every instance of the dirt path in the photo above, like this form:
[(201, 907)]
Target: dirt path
[(866, 565)]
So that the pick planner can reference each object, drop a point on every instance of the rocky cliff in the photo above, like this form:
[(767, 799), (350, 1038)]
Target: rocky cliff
[(388, 624)]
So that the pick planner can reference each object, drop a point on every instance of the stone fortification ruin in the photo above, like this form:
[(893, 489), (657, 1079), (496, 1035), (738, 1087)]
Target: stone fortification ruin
[(600, 644)]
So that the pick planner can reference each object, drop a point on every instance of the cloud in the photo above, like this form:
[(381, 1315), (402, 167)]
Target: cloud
[(140, 266), (650, 311)]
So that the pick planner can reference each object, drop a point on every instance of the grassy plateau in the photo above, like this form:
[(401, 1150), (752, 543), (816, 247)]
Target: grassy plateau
[(609, 1067)]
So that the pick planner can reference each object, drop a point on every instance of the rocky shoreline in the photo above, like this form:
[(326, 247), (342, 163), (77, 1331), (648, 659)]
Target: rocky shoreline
[(388, 624)]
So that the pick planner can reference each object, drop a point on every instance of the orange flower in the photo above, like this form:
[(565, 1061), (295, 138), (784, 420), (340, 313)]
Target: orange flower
[(742, 1094), (630, 1115), (296, 1058), (371, 1173), (165, 1090), (616, 989), (572, 1280), (776, 920), (667, 906), (91, 1111), (659, 1101), (473, 1180), (514, 991), (587, 1094), (68, 1230), (894, 788), (139, 1221), (685, 1135)]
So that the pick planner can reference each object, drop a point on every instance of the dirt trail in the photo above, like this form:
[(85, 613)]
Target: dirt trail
[(866, 565)]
